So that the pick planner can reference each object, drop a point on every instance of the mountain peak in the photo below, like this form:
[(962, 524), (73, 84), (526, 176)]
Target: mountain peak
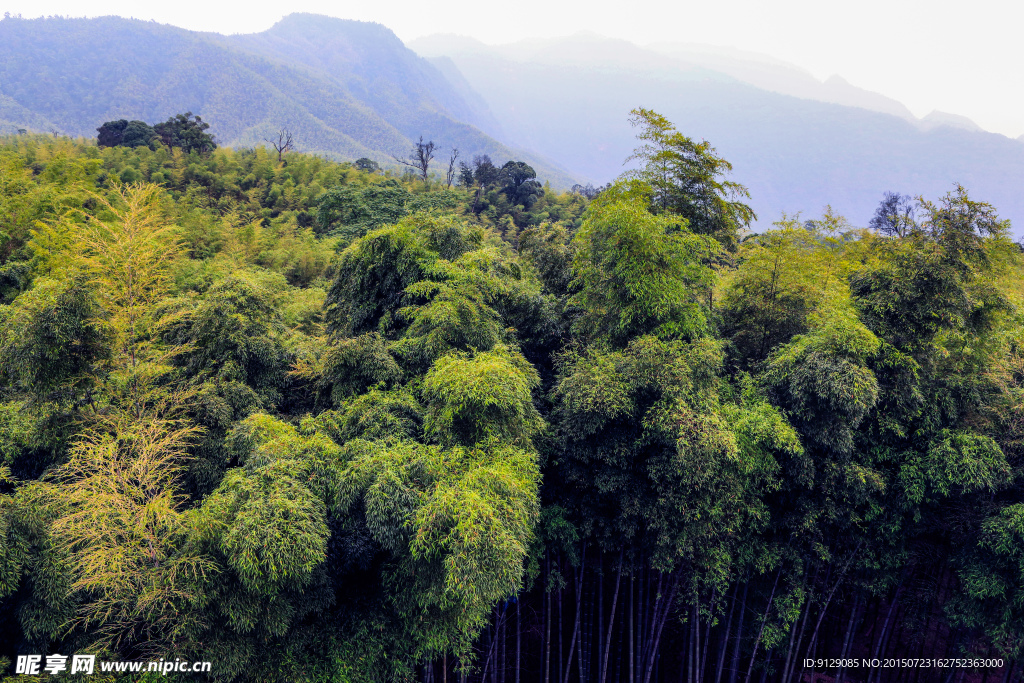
[(304, 26), (939, 119)]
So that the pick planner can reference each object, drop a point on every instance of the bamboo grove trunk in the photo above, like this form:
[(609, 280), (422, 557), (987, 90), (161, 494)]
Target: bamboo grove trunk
[(848, 639), (519, 637), (611, 620), (796, 636), (658, 626), (576, 625), (760, 632), (600, 618), (707, 638), (734, 673), (547, 625), (561, 652), (607, 638), (723, 645), (632, 640)]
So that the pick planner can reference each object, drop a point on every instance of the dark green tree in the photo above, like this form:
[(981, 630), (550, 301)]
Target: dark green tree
[(186, 132), (111, 133), (353, 210), (484, 171), (123, 133), (895, 215), (519, 183), (367, 165)]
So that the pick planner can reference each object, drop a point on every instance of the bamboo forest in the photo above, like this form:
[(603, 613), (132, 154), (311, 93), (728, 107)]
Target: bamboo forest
[(314, 420)]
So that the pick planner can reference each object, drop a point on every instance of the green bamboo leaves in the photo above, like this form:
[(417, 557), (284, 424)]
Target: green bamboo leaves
[(483, 396), (637, 273)]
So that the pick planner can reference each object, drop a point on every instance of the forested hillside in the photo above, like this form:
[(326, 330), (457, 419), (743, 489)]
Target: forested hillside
[(345, 89), (311, 421)]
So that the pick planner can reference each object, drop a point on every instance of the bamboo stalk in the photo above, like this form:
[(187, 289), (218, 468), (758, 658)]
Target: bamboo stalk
[(611, 620), (760, 631)]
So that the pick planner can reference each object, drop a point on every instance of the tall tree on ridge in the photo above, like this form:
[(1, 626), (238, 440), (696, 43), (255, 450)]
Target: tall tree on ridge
[(686, 177)]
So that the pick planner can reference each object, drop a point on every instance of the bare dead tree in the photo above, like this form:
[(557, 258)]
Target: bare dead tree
[(422, 153), (283, 143), (895, 215), (450, 177), (588, 190)]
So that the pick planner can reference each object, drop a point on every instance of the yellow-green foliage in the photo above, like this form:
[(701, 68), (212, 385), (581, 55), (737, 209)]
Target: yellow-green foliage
[(789, 280), (164, 332), (487, 395), (637, 273), (117, 515)]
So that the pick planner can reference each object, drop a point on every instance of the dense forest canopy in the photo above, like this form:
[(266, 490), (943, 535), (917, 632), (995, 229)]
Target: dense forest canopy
[(315, 421)]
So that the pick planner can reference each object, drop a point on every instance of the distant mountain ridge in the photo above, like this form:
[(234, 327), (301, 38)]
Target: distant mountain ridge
[(571, 97), (937, 119), (345, 89), (780, 77)]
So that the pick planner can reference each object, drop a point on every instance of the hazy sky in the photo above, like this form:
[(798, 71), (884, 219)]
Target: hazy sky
[(959, 57)]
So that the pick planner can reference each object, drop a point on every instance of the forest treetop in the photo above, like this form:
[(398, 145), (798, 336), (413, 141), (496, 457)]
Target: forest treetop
[(183, 131), (319, 421)]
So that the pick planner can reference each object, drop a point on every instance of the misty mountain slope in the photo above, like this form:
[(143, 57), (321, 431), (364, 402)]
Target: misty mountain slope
[(74, 74), (14, 116), (485, 121), (794, 154), (781, 77), (937, 119)]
